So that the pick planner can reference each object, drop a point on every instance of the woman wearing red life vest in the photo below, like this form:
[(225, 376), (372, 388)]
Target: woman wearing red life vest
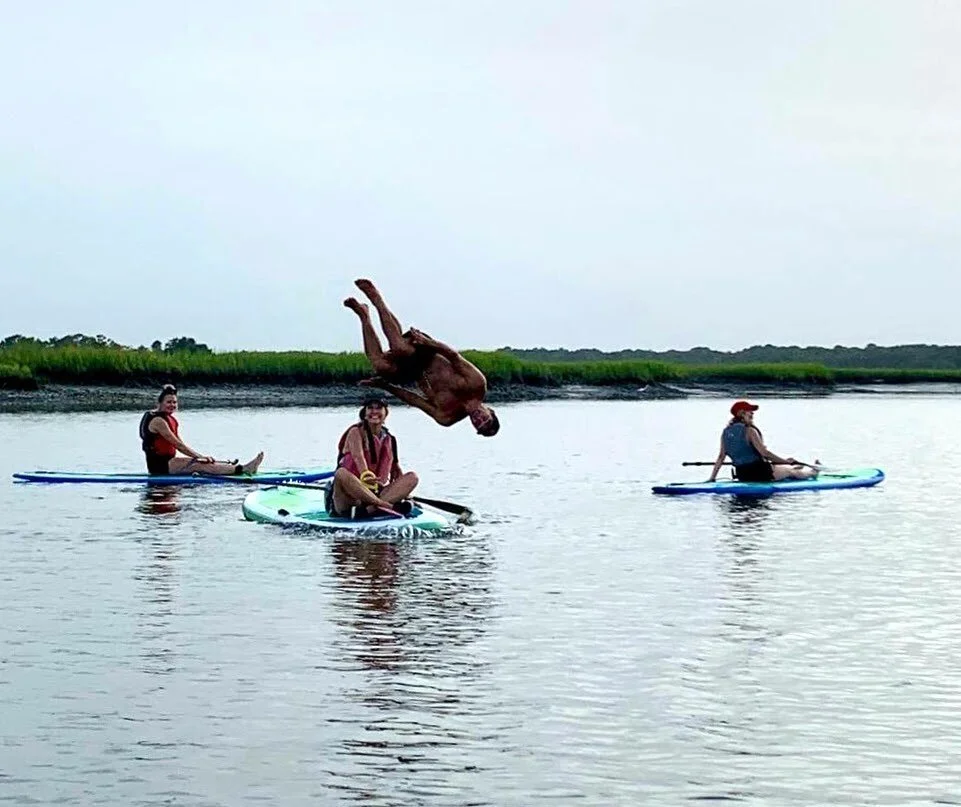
[(369, 477), (160, 440)]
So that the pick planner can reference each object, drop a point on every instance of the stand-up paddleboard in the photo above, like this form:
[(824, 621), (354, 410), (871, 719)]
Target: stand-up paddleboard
[(304, 507), (266, 477), (856, 478)]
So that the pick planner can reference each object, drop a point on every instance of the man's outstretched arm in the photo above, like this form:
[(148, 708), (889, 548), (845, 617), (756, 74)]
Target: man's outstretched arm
[(408, 397)]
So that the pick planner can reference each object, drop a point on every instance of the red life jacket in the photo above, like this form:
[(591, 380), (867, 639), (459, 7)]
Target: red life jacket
[(380, 453), (152, 443)]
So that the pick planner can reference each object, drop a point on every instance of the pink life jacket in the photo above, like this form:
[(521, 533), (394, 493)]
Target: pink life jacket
[(380, 452)]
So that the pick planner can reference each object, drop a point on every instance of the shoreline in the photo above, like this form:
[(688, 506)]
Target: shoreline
[(104, 398)]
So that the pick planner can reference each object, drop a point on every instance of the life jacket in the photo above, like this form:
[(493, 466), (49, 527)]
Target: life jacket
[(152, 443), (380, 453), (736, 444)]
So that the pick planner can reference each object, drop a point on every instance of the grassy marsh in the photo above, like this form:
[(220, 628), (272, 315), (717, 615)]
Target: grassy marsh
[(26, 365)]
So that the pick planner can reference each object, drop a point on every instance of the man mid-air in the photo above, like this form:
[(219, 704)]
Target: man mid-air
[(452, 387)]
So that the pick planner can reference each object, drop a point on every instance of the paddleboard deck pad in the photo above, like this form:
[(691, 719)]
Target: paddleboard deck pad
[(282, 475), (304, 507), (855, 478)]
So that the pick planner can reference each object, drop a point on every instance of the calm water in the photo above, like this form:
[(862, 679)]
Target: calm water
[(585, 643)]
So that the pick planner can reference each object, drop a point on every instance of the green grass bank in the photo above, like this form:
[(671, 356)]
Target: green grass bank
[(30, 365)]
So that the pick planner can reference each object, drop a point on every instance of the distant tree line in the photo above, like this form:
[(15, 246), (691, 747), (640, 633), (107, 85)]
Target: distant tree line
[(915, 357), (181, 344)]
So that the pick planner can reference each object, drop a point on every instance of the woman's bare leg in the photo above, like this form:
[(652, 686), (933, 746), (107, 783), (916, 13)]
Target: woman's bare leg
[(252, 466), (187, 465), (349, 492), (396, 491), (400, 488), (793, 472)]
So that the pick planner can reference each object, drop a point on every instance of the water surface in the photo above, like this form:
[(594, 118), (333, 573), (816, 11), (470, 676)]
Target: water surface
[(586, 642)]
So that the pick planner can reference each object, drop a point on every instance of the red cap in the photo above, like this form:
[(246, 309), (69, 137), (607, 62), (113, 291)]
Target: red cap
[(740, 406)]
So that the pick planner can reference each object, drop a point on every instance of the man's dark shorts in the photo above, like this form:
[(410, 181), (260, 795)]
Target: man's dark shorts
[(409, 369)]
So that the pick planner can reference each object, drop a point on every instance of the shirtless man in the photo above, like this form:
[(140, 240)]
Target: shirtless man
[(452, 387)]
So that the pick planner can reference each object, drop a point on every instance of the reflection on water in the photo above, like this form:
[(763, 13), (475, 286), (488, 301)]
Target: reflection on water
[(723, 683), (743, 519), (743, 555), (409, 615), (404, 602), (156, 577), (160, 500), (368, 571), (744, 515), (585, 643)]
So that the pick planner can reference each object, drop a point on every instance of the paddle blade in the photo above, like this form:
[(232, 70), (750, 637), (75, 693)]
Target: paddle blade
[(464, 514)]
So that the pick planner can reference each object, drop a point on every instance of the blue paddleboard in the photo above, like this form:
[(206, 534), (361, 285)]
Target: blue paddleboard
[(855, 478), (290, 475)]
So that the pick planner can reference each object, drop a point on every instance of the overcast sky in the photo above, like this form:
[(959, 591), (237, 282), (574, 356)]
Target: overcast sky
[(561, 174)]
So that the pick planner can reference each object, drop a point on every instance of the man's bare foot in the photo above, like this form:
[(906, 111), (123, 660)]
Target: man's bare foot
[(252, 466), (368, 288), (375, 381), (360, 309)]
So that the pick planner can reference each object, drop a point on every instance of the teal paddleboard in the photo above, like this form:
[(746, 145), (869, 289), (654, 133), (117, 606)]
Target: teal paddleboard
[(304, 507), (855, 478)]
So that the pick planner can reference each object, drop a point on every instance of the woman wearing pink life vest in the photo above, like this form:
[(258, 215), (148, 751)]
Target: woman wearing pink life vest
[(369, 477)]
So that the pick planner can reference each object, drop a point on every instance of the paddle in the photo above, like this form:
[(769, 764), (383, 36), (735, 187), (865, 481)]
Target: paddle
[(796, 462), (240, 480), (464, 514)]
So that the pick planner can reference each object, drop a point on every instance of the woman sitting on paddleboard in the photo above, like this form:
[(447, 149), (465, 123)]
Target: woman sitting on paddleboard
[(160, 440), (741, 440), (369, 477)]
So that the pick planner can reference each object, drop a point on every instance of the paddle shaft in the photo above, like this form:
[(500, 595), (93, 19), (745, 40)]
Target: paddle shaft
[(728, 462), (250, 481)]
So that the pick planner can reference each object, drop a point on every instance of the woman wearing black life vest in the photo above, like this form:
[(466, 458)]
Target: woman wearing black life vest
[(369, 477), (753, 461), (160, 440)]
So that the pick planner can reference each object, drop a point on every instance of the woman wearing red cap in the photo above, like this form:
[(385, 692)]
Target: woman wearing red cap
[(753, 461)]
